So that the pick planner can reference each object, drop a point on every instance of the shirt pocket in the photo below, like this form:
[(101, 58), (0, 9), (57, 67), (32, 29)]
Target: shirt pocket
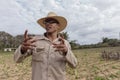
[(38, 54)]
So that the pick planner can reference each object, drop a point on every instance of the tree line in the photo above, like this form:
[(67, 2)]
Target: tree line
[(106, 42), (9, 41)]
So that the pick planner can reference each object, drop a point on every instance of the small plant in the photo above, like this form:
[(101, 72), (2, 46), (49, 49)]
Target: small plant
[(114, 67), (99, 78), (113, 76)]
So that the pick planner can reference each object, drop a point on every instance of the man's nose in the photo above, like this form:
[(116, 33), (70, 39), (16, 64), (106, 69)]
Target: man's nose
[(47, 24)]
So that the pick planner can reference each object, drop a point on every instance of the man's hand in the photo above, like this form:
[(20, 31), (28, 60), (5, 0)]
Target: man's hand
[(27, 43), (61, 47)]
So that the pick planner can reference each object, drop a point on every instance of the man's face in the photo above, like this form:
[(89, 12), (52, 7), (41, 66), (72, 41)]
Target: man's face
[(51, 25)]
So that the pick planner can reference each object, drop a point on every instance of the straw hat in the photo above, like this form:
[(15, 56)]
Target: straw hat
[(62, 21)]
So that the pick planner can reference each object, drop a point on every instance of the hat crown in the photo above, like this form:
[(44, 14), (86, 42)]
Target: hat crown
[(62, 21), (50, 14)]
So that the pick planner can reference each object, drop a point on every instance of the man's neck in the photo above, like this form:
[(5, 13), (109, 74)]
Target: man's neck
[(51, 36)]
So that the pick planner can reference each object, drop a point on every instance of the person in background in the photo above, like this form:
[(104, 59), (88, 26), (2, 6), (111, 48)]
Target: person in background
[(50, 52)]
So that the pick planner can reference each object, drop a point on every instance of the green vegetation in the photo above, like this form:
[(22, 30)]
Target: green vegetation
[(106, 42), (7, 40)]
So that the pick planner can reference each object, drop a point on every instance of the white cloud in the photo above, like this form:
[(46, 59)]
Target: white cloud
[(88, 20)]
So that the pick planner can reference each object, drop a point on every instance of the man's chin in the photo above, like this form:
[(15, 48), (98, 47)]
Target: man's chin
[(49, 32)]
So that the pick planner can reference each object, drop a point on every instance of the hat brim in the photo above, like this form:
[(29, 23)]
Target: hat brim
[(62, 21)]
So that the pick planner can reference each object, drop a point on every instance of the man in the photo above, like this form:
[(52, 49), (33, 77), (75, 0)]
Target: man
[(50, 52)]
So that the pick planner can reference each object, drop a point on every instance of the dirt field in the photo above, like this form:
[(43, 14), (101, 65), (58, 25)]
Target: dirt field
[(90, 66)]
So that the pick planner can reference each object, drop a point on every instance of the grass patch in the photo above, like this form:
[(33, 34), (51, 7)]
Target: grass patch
[(90, 66)]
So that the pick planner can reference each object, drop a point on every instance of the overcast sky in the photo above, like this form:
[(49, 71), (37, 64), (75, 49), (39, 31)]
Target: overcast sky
[(88, 20)]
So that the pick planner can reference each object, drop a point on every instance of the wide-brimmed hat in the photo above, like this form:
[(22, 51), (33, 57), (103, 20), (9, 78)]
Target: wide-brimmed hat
[(62, 21)]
